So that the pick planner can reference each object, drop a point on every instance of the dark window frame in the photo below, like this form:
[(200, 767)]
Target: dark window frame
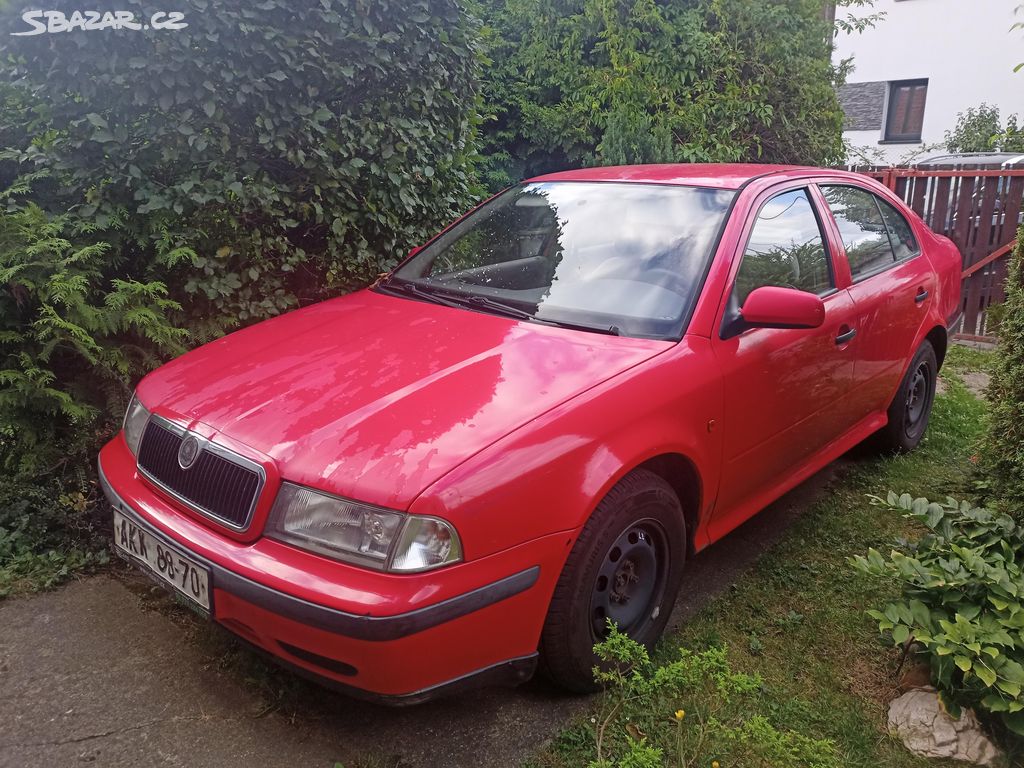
[(904, 135)]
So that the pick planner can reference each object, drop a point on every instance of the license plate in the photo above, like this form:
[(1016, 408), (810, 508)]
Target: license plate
[(184, 575)]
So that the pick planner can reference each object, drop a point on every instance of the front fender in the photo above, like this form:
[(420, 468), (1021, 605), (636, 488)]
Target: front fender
[(549, 475)]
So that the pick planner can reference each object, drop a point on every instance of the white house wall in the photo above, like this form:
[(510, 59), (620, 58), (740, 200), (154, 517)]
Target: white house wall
[(963, 47)]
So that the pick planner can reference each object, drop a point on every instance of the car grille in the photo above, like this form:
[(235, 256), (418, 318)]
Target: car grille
[(215, 485)]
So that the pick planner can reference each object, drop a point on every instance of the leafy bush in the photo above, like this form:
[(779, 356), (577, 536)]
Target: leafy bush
[(688, 712), (979, 129), (584, 82), (164, 186), (48, 530), (71, 338), (1003, 456), (962, 602), (273, 152)]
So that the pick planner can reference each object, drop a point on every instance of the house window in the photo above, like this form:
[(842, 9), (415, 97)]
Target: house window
[(905, 115)]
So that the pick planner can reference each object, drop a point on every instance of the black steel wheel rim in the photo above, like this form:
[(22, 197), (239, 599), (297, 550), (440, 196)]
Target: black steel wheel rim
[(918, 396), (631, 580)]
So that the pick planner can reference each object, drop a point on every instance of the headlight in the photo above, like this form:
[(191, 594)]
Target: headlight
[(135, 419), (356, 533)]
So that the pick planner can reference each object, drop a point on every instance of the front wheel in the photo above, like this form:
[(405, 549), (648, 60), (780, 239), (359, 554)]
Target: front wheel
[(911, 409), (626, 567)]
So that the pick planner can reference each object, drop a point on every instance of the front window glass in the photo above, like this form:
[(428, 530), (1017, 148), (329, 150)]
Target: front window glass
[(785, 249), (619, 258)]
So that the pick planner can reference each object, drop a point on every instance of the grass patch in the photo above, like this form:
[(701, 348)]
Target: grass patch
[(797, 618), (966, 359)]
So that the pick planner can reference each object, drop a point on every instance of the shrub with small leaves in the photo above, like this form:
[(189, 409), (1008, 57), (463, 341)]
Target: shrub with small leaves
[(283, 149), (74, 331), (47, 531), (267, 154), (598, 82), (690, 711), (962, 602), (1003, 454)]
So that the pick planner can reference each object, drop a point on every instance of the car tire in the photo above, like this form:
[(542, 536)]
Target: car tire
[(911, 409), (626, 565)]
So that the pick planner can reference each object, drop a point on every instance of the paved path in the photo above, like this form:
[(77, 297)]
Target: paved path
[(108, 672)]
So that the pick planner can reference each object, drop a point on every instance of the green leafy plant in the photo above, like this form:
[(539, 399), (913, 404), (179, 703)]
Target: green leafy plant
[(962, 602), (852, 22), (979, 129), (47, 531), (1018, 25), (687, 712), (584, 82), (1003, 455), (196, 180), (271, 153), (72, 335)]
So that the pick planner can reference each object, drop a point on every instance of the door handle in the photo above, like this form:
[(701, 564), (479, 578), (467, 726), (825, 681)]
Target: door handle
[(846, 336), (922, 294)]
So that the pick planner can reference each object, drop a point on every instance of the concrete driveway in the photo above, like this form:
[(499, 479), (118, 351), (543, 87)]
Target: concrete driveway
[(109, 671)]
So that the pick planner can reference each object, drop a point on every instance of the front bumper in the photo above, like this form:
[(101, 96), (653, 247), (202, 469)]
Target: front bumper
[(394, 639)]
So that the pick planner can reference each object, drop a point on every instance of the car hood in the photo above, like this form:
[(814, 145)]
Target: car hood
[(375, 397)]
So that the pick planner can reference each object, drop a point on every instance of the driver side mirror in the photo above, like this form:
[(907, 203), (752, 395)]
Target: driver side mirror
[(774, 307)]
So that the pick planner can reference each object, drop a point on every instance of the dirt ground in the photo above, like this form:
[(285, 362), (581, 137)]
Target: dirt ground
[(108, 671)]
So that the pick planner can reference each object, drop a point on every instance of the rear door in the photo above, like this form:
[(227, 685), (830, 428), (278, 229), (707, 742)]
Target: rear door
[(784, 388), (891, 286)]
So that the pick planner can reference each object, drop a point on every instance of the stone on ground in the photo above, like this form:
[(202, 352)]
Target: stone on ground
[(919, 721)]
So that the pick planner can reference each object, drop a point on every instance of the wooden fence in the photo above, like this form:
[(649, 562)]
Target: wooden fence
[(979, 209)]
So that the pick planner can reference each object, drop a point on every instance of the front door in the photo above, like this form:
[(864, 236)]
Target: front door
[(783, 388)]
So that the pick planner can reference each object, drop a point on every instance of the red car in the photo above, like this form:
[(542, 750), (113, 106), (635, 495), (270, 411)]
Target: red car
[(524, 431)]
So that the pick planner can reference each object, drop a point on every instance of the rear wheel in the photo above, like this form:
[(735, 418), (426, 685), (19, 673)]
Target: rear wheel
[(626, 566), (911, 409)]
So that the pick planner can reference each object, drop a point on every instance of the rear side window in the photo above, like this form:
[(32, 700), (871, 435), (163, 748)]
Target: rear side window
[(786, 248), (865, 236), (904, 244)]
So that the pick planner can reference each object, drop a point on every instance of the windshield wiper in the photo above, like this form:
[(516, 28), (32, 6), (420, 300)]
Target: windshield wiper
[(420, 292), (509, 310), (476, 301)]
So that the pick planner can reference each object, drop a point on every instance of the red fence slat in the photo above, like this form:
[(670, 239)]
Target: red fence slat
[(941, 191)]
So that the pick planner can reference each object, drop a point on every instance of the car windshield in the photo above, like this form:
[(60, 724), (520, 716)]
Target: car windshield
[(620, 258)]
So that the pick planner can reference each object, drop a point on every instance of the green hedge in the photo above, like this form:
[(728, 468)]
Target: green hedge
[(269, 153), (1003, 454), (598, 82)]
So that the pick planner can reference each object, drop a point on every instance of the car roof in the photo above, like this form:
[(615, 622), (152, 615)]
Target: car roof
[(717, 175)]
